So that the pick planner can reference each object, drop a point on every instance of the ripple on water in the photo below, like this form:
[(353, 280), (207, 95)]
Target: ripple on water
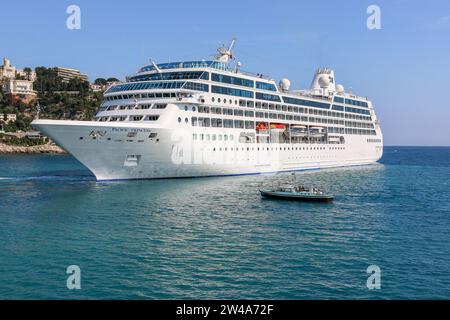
[(217, 238)]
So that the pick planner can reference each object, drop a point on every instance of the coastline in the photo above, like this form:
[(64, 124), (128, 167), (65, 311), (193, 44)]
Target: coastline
[(45, 148)]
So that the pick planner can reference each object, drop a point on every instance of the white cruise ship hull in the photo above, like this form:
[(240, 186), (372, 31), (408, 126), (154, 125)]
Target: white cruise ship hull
[(117, 151)]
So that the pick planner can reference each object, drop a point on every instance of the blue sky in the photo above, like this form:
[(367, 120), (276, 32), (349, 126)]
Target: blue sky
[(403, 67)]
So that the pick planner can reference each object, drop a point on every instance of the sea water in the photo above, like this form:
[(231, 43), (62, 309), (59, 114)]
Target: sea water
[(211, 238)]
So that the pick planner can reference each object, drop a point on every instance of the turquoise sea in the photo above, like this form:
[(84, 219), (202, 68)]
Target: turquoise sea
[(216, 238)]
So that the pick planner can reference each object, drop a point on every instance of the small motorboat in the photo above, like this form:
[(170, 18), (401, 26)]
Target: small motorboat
[(299, 193)]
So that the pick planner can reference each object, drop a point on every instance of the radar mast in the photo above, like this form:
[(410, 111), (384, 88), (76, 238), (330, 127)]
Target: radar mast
[(224, 54)]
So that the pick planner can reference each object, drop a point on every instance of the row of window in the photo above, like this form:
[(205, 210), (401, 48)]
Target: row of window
[(265, 86), (359, 125), (232, 91), (230, 123), (222, 123), (219, 137), (286, 108), (196, 86), (351, 102), (355, 110), (153, 117), (141, 95), (308, 103), (146, 86), (131, 107), (172, 76), (270, 115), (356, 103), (360, 132), (267, 97), (159, 85), (217, 77), (189, 64), (212, 137)]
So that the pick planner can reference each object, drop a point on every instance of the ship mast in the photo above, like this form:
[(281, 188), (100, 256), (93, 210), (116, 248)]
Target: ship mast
[(224, 54)]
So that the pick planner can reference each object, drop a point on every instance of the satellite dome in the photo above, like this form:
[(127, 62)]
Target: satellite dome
[(285, 84), (340, 88), (324, 81)]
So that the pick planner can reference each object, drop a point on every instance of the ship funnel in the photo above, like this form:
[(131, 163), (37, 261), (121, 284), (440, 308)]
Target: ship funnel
[(323, 82)]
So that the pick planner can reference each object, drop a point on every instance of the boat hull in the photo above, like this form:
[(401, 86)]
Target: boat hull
[(121, 151), (296, 197)]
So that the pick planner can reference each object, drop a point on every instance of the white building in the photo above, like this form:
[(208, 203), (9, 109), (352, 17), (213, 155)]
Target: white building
[(11, 117), (68, 73), (27, 75), (97, 87), (21, 90), (8, 117), (6, 70), (19, 87)]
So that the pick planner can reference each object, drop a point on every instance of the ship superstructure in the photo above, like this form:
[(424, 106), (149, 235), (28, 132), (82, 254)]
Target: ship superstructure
[(207, 118)]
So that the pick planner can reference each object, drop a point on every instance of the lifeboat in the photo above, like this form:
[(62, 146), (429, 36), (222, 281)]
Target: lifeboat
[(316, 131), (277, 126), (261, 126), (299, 131)]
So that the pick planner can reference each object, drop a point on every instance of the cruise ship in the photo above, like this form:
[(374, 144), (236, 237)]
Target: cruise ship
[(210, 118)]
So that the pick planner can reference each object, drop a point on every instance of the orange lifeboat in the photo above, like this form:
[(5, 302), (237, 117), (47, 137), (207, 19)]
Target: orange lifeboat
[(261, 126), (277, 126)]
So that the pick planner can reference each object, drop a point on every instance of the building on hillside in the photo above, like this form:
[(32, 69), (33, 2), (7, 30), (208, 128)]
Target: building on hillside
[(26, 75), (19, 90), (7, 70), (67, 74), (97, 87), (5, 119), (10, 117)]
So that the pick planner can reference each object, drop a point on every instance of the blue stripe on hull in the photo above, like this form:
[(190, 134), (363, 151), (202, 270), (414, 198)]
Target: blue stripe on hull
[(237, 174)]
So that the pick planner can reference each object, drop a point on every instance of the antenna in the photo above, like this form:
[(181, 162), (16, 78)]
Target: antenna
[(233, 41)]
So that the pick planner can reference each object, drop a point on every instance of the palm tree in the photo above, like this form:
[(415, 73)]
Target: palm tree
[(28, 71)]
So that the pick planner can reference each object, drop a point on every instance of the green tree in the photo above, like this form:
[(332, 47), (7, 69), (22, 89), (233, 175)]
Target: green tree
[(101, 81), (28, 71)]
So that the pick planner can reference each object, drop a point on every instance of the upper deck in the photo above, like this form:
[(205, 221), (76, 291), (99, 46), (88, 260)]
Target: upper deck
[(200, 77)]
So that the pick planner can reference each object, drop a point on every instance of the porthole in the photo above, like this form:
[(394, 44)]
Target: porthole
[(186, 120), (213, 99), (179, 119), (218, 100), (185, 108)]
